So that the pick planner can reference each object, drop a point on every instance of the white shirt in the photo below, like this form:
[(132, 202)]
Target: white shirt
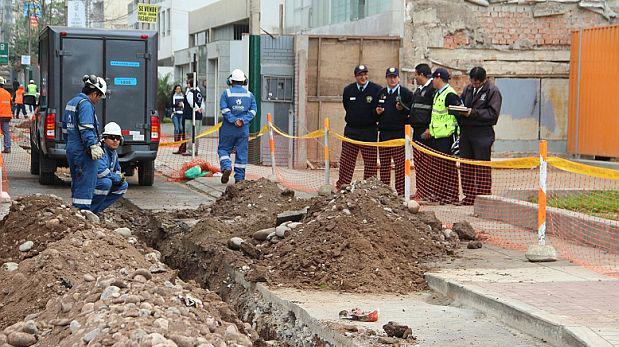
[(427, 84), (189, 96)]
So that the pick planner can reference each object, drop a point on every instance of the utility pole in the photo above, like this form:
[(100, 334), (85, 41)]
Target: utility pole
[(254, 75), (27, 77)]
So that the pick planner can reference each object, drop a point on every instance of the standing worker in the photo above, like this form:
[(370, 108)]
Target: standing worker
[(441, 133), (80, 123), (421, 112), (19, 103), (483, 99), (360, 100), (111, 183), (238, 108), (32, 93), (393, 116), (5, 116)]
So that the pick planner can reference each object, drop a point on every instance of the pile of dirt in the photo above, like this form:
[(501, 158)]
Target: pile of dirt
[(363, 239), (40, 219), (94, 286)]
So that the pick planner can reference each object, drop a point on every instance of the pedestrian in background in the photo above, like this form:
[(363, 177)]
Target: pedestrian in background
[(177, 103), (111, 184), (19, 102), (420, 114), (238, 108), (441, 135), (5, 116), (484, 100), (31, 95), (393, 115), (360, 100)]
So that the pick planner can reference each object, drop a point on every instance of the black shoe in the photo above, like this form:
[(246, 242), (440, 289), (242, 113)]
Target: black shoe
[(6, 150), (226, 176)]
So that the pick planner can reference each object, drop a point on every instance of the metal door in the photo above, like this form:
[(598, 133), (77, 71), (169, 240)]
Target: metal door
[(126, 78)]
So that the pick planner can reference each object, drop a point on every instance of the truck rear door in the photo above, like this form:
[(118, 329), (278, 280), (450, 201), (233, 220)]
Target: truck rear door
[(126, 77)]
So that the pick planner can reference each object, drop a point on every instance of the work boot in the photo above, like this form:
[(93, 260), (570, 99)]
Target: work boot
[(225, 177), (6, 150)]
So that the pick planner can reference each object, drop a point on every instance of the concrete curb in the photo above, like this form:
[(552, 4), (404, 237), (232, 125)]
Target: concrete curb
[(517, 314)]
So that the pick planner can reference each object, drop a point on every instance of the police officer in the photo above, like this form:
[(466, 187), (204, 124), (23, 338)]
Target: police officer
[(441, 133), (80, 125), (483, 99), (359, 99), (393, 115), (30, 97), (111, 183), (238, 108), (421, 111)]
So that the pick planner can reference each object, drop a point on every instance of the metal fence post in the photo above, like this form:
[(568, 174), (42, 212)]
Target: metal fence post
[(271, 144), (407, 163), (325, 189)]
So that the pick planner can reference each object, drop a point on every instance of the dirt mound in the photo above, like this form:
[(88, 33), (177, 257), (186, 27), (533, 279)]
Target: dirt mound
[(41, 219), (363, 240)]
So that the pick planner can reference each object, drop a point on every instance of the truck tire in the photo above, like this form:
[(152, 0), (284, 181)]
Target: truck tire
[(45, 178), (34, 160), (146, 173)]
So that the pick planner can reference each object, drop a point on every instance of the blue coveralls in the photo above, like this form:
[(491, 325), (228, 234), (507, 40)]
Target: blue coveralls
[(235, 103), (80, 126), (110, 186)]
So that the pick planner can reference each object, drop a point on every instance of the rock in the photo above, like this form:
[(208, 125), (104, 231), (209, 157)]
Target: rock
[(88, 307), (261, 235), (388, 340), (19, 339), (235, 243), (474, 245), (156, 338), (294, 225), (288, 193), (10, 266), (464, 230), (91, 335), (251, 250), (394, 329), (26, 246), (281, 231), (60, 322), (125, 232), (110, 293), (65, 307), (346, 211), (161, 323), (291, 216), (412, 206), (89, 278), (325, 190), (539, 253), (183, 341), (74, 326), (90, 216), (157, 268), (274, 240), (31, 328), (142, 272), (52, 223)]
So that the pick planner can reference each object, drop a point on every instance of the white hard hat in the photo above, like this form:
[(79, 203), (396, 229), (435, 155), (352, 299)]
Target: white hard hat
[(31, 81), (97, 82), (112, 128), (2, 80), (238, 75)]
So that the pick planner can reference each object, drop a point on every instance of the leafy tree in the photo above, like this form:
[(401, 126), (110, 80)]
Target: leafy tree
[(164, 87)]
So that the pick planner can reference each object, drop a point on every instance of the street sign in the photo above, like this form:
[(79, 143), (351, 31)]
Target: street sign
[(76, 14), (147, 13), (4, 53), (25, 60)]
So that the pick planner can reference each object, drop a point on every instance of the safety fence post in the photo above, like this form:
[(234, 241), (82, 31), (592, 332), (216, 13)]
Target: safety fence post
[(271, 145), (407, 163), (325, 189), (542, 251)]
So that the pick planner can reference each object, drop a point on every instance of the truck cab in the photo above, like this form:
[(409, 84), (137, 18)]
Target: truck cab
[(127, 60)]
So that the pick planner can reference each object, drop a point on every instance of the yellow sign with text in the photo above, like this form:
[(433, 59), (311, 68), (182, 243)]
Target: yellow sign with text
[(147, 13)]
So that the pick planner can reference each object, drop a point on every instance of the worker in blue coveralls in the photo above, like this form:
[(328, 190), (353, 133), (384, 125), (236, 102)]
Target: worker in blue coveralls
[(238, 107), (111, 183), (80, 127)]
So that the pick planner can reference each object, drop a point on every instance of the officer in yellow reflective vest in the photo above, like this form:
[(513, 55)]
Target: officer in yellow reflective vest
[(31, 95), (441, 135)]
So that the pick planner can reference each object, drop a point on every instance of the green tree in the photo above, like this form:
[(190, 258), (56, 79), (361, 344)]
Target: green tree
[(164, 88), (53, 14)]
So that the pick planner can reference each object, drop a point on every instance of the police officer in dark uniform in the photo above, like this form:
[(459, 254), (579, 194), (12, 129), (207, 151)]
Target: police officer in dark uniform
[(393, 115), (421, 111), (484, 100), (359, 100)]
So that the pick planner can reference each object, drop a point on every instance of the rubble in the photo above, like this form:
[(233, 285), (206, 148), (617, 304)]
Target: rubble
[(465, 231)]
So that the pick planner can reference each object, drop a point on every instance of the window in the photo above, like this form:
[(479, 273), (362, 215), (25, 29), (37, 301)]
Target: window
[(277, 89), (239, 30), (199, 39), (168, 23)]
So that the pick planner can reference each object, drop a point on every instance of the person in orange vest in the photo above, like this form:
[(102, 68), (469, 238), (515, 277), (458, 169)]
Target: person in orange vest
[(19, 102), (5, 115)]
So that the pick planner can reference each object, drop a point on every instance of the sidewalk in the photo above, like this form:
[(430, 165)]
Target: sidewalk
[(562, 303)]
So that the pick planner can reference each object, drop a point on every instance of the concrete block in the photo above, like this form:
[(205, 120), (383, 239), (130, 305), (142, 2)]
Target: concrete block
[(539, 253)]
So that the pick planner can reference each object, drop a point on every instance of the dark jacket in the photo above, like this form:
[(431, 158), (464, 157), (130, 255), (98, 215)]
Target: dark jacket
[(421, 108), (360, 109), (485, 105), (392, 121)]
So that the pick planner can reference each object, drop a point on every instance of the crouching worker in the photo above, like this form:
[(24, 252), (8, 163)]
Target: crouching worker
[(111, 183)]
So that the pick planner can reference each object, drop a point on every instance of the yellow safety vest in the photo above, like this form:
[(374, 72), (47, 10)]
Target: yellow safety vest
[(442, 124), (31, 89)]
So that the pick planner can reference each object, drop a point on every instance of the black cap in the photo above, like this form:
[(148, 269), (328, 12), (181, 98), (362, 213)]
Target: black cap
[(392, 71), (442, 73), (360, 69)]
